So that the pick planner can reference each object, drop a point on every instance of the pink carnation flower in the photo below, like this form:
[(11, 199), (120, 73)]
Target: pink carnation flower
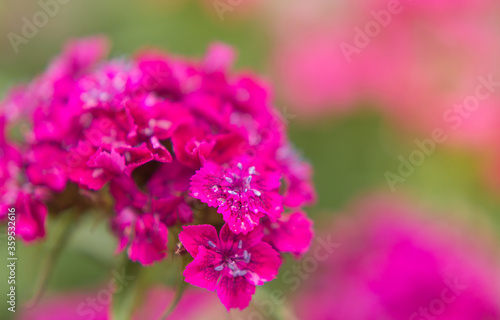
[(291, 233), (142, 220), (242, 192), (26, 198), (232, 265)]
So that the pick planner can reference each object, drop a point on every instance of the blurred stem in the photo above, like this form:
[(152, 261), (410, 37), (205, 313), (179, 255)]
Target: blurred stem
[(65, 227), (126, 298), (282, 312), (179, 292)]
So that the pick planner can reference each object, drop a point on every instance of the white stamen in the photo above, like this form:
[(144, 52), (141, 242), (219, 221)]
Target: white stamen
[(247, 256), (97, 172), (251, 170), (210, 243), (219, 268), (239, 273)]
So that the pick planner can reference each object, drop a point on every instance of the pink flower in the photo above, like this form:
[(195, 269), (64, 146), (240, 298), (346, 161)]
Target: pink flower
[(194, 305), (415, 65), (31, 217), (46, 167), (79, 55), (242, 192), (298, 175), (232, 265), (394, 263), (194, 143), (105, 88), (170, 186), (170, 179), (102, 167), (219, 58), (26, 199), (29, 203), (138, 223), (291, 233), (313, 73), (67, 306)]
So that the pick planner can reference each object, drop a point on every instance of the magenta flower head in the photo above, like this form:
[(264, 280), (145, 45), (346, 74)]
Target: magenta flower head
[(242, 194), (160, 144), (231, 264), (394, 263)]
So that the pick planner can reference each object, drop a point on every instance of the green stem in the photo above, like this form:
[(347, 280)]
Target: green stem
[(283, 310), (125, 300), (179, 292), (65, 228)]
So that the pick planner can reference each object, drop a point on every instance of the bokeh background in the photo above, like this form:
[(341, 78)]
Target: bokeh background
[(354, 114)]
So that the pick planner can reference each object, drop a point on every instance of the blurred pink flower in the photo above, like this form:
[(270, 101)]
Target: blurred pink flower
[(292, 233), (394, 264), (413, 65), (70, 306)]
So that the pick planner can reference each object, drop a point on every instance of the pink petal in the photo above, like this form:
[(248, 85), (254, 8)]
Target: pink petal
[(192, 237), (230, 241), (219, 58), (172, 210), (204, 183), (201, 272), (31, 217), (292, 233), (159, 151), (149, 243), (264, 264), (235, 292), (238, 220), (112, 162)]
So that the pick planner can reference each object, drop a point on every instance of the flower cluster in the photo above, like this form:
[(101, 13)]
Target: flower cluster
[(157, 142)]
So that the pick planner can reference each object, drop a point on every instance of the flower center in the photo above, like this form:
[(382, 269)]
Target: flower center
[(235, 262), (239, 184)]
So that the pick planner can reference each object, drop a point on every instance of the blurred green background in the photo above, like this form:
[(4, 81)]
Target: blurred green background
[(349, 154)]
